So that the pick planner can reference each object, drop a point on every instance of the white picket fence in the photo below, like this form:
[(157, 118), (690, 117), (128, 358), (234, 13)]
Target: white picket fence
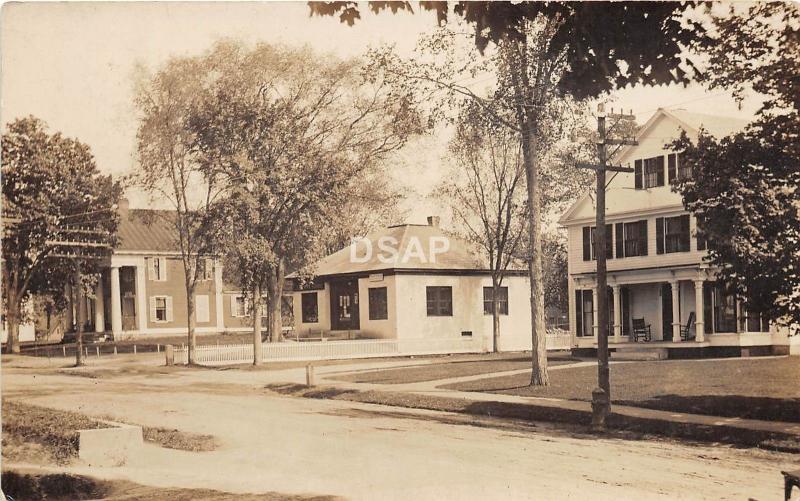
[(340, 350)]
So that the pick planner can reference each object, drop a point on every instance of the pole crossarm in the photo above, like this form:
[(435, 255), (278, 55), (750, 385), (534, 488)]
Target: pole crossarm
[(627, 142), (598, 167)]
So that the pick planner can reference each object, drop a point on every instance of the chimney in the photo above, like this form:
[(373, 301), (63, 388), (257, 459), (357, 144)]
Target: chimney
[(122, 207), (433, 221)]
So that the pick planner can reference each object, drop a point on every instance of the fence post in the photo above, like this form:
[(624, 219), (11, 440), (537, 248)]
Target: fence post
[(170, 354), (64, 351), (115, 349), (158, 348), (97, 348), (134, 349), (309, 375)]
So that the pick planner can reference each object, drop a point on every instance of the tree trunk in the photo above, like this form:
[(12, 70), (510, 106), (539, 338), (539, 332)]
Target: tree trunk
[(12, 319), (275, 295), (495, 314), (80, 307), (539, 376), (190, 323), (257, 325)]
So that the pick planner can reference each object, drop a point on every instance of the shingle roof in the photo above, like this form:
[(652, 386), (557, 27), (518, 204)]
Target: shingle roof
[(147, 230), (413, 244)]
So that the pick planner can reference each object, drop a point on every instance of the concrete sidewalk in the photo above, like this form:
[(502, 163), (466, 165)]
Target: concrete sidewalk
[(434, 388)]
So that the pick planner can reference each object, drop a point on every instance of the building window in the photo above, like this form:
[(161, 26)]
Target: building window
[(672, 234), (632, 239), (654, 172), (502, 299), (589, 251), (584, 313), (161, 309), (752, 322), (440, 301), (238, 306), (158, 269), (378, 307), (202, 309), (308, 302), (205, 269)]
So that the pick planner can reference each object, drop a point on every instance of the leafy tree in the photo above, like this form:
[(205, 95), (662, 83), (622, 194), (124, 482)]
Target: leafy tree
[(59, 219), (168, 167), (296, 136), (485, 194), (555, 273), (580, 49), (745, 188)]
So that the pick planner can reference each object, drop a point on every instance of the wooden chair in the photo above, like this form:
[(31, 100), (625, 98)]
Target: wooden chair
[(790, 479), (641, 329), (687, 331)]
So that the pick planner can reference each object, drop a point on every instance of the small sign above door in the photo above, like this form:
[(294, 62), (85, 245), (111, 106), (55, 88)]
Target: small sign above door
[(376, 277)]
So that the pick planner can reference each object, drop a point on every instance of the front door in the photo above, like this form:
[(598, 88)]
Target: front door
[(666, 312), (344, 305)]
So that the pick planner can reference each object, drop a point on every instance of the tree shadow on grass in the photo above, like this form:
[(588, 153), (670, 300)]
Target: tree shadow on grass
[(737, 406)]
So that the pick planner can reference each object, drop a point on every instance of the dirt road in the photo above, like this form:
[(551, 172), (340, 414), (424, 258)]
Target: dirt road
[(362, 451)]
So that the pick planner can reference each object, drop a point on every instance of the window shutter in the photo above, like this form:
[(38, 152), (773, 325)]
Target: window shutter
[(152, 308), (151, 271), (637, 174), (659, 235), (643, 236), (169, 308), (609, 241), (578, 313), (660, 175), (685, 233), (163, 268), (233, 305), (620, 240), (587, 246), (671, 168)]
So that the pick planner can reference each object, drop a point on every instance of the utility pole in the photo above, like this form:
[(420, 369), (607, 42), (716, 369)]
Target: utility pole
[(601, 396)]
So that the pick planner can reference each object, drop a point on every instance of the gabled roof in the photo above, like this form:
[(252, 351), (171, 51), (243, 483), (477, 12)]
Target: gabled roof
[(413, 244), (147, 230), (718, 126)]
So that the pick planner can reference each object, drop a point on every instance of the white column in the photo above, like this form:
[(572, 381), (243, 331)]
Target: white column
[(699, 311), (141, 298), (739, 327), (116, 304), (99, 307), (617, 313), (594, 312), (218, 295), (676, 311)]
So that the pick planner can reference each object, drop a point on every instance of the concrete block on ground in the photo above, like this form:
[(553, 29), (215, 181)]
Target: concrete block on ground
[(110, 446)]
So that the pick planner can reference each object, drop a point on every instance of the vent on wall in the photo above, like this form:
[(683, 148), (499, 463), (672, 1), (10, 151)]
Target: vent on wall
[(466, 333)]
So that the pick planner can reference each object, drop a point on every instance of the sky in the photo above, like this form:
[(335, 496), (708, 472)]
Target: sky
[(72, 65)]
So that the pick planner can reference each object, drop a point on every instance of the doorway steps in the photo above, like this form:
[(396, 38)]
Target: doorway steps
[(639, 353)]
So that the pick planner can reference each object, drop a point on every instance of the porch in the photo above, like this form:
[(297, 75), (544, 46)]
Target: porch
[(672, 309)]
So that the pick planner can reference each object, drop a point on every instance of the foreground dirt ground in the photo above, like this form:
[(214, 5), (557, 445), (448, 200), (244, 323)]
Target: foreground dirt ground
[(271, 443)]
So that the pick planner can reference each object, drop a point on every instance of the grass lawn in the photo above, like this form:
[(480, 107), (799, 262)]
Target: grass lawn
[(68, 487), (766, 389), (52, 432), (450, 369)]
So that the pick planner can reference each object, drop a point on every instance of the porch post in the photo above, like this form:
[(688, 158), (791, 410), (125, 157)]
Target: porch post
[(617, 313), (141, 299), (116, 304), (676, 311), (739, 327), (99, 307), (699, 311), (69, 313), (594, 311)]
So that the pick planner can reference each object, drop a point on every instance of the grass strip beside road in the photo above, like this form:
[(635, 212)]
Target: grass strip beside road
[(56, 431), (619, 426)]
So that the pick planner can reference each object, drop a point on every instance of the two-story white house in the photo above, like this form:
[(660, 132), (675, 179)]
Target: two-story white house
[(656, 273)]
